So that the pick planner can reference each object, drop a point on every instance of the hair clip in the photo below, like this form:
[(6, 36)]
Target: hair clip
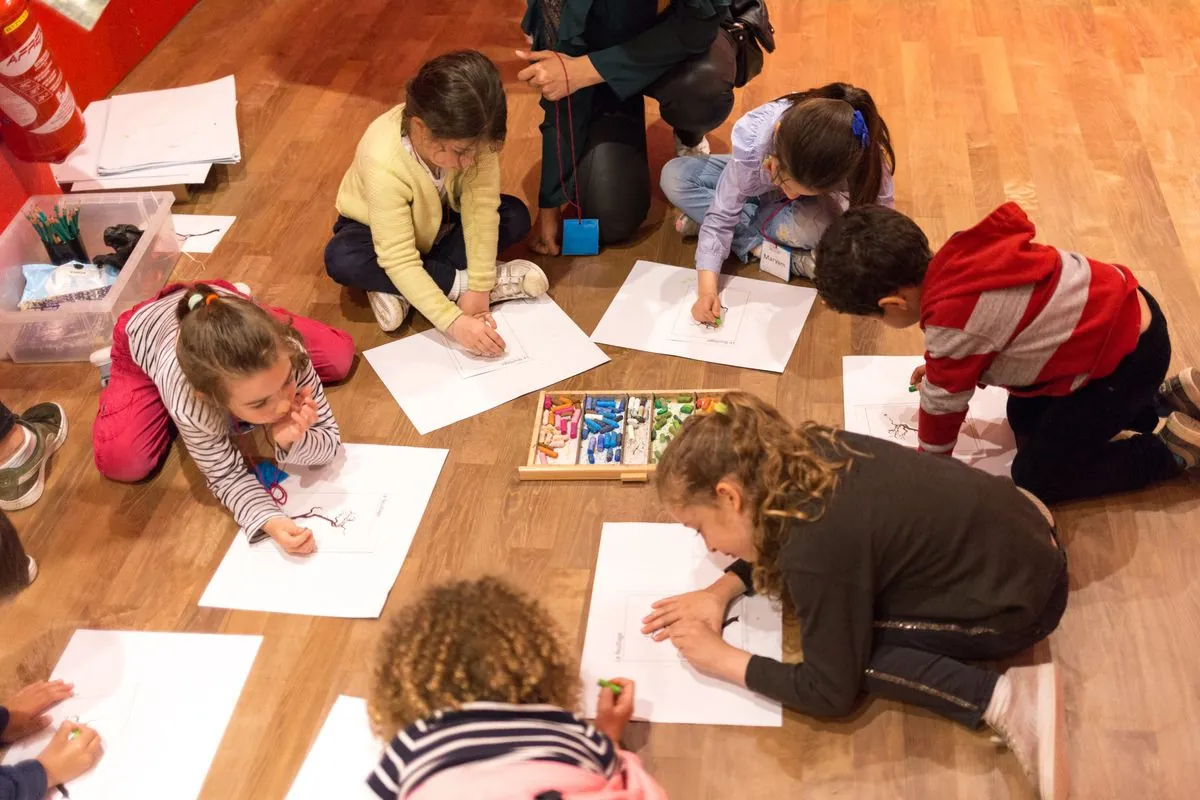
[(210, 299), (859, 128), (195, 300), (720, 407)]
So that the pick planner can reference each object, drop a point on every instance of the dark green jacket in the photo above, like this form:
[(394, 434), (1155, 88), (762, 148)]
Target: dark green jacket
[(631, 45)]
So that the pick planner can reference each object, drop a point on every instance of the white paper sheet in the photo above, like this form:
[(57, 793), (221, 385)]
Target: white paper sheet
[(646, 309), (81, 169), (160, 702), (733, 310), (668, 560), (343, 755), (388, 489), (200, 233), (432, 392), (187, 125), (877, 402)]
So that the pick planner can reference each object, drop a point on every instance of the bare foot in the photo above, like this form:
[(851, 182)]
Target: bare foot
[(543, 239)]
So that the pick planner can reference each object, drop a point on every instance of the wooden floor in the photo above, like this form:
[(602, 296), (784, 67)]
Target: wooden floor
[(1085, 112)]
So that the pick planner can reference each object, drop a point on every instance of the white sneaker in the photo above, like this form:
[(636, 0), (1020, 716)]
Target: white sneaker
[(390, 309), (1033, 728), (102, 360), (803, 264), (33, 570), (518, 280), (700, 149)]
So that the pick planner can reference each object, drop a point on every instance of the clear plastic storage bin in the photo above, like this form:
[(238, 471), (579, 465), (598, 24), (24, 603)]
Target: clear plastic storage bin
[(72, 332)]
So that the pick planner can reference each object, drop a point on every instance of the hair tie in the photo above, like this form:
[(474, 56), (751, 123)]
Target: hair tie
[(195, 300), (209, 299), (720, 408), (859, 128)]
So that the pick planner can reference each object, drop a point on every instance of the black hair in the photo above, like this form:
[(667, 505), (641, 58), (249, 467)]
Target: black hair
[(867, 254), (817, 146), (459, 95)]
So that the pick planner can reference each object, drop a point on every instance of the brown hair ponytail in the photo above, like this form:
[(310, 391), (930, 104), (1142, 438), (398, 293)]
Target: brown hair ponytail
[(223, 336), (786, 471), (817, 146)]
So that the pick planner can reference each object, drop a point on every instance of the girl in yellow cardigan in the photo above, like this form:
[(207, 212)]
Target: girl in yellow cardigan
[(421, 218)]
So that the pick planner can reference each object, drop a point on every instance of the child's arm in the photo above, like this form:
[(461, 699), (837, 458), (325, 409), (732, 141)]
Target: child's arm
[(836, 619), (26, 779), (724, 214), (390, 213), (205, 432), (323, 440), (955, 360), (481, 221)]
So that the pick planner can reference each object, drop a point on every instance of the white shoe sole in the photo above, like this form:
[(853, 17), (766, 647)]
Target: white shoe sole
[(1053, 775), (389, 314), (35, 492)]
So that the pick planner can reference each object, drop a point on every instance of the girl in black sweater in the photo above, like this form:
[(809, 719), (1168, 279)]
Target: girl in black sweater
[(900, 566)]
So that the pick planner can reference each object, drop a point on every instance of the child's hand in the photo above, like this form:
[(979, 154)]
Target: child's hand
[(707, 309), (74, 750), (917, 376), (292, 538), (543, 239), (27, 708), (474, 303), (476, 335), (702, 606), (708, 653), (302, 416), (613, 712)]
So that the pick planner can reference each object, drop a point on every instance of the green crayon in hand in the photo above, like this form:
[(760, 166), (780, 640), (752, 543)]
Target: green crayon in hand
[(614, 688)]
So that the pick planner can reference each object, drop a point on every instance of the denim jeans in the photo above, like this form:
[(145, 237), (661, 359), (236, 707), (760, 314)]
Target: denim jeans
[(690, 183)]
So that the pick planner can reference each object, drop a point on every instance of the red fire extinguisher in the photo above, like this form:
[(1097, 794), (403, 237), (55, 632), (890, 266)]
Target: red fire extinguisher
[(40, 119)]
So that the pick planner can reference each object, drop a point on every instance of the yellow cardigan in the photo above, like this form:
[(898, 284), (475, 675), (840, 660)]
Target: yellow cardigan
[(389, 192)]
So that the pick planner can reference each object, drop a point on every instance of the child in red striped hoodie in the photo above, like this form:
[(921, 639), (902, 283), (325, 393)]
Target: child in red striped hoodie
[(1081, 348)]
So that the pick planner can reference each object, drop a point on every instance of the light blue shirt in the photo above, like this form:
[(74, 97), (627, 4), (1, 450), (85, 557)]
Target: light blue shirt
[(744, 177)]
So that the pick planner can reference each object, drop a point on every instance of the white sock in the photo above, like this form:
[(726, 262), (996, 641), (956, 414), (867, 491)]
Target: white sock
[(24, 452), (998, 706), (460, 285)]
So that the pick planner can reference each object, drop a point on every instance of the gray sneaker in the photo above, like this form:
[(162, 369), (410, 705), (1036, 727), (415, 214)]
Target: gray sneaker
[(390, 309), (518, 280), (21, 487)]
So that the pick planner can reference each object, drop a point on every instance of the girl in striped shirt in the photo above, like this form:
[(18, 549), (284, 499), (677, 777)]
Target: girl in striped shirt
[(216, 365), (473, 684)]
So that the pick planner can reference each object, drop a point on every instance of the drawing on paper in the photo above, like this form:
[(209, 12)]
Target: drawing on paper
[(470, 365), (634, 646), (898, 422), (733, 308), (341, 523)]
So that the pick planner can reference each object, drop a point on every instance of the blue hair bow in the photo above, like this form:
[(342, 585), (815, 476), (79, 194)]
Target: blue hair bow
[(859, 128)]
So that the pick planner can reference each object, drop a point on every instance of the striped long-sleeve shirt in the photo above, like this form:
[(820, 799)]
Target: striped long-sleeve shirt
[(497, 733), (999, 310), (207, 429)]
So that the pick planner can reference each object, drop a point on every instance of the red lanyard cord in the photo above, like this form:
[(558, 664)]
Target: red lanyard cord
[(558, 144)]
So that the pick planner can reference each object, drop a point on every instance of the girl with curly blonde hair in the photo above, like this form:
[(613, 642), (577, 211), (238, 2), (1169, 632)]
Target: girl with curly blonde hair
[(477, 695), (900, 567)]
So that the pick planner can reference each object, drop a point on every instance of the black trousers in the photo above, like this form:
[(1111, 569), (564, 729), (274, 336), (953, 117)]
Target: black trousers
[(7, 420), (923, 662), (351, 261), (1065, 447), (614, 177)]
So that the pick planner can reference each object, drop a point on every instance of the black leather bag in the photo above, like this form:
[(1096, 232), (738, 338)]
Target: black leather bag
[(750, 27)]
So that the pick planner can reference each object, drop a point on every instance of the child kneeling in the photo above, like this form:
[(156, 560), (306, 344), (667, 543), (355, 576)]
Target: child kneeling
[(477, 691), (421, 218), (902, 569), (1080, 347), (211, 361)]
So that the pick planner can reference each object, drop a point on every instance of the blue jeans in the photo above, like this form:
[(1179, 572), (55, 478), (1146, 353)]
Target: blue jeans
[(690, 183)]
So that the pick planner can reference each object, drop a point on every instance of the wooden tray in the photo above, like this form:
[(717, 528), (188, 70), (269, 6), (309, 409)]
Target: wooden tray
[(571, 469)]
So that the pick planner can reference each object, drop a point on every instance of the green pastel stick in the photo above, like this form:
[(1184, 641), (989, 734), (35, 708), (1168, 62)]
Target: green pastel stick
[(614, 688)]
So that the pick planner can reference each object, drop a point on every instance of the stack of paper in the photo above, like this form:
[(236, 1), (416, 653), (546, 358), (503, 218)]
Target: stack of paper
[(82, 167), (156, 138)]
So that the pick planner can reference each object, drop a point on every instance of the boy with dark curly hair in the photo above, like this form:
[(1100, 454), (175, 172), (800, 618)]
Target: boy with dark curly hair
[(1081, 348), (473, 684)]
